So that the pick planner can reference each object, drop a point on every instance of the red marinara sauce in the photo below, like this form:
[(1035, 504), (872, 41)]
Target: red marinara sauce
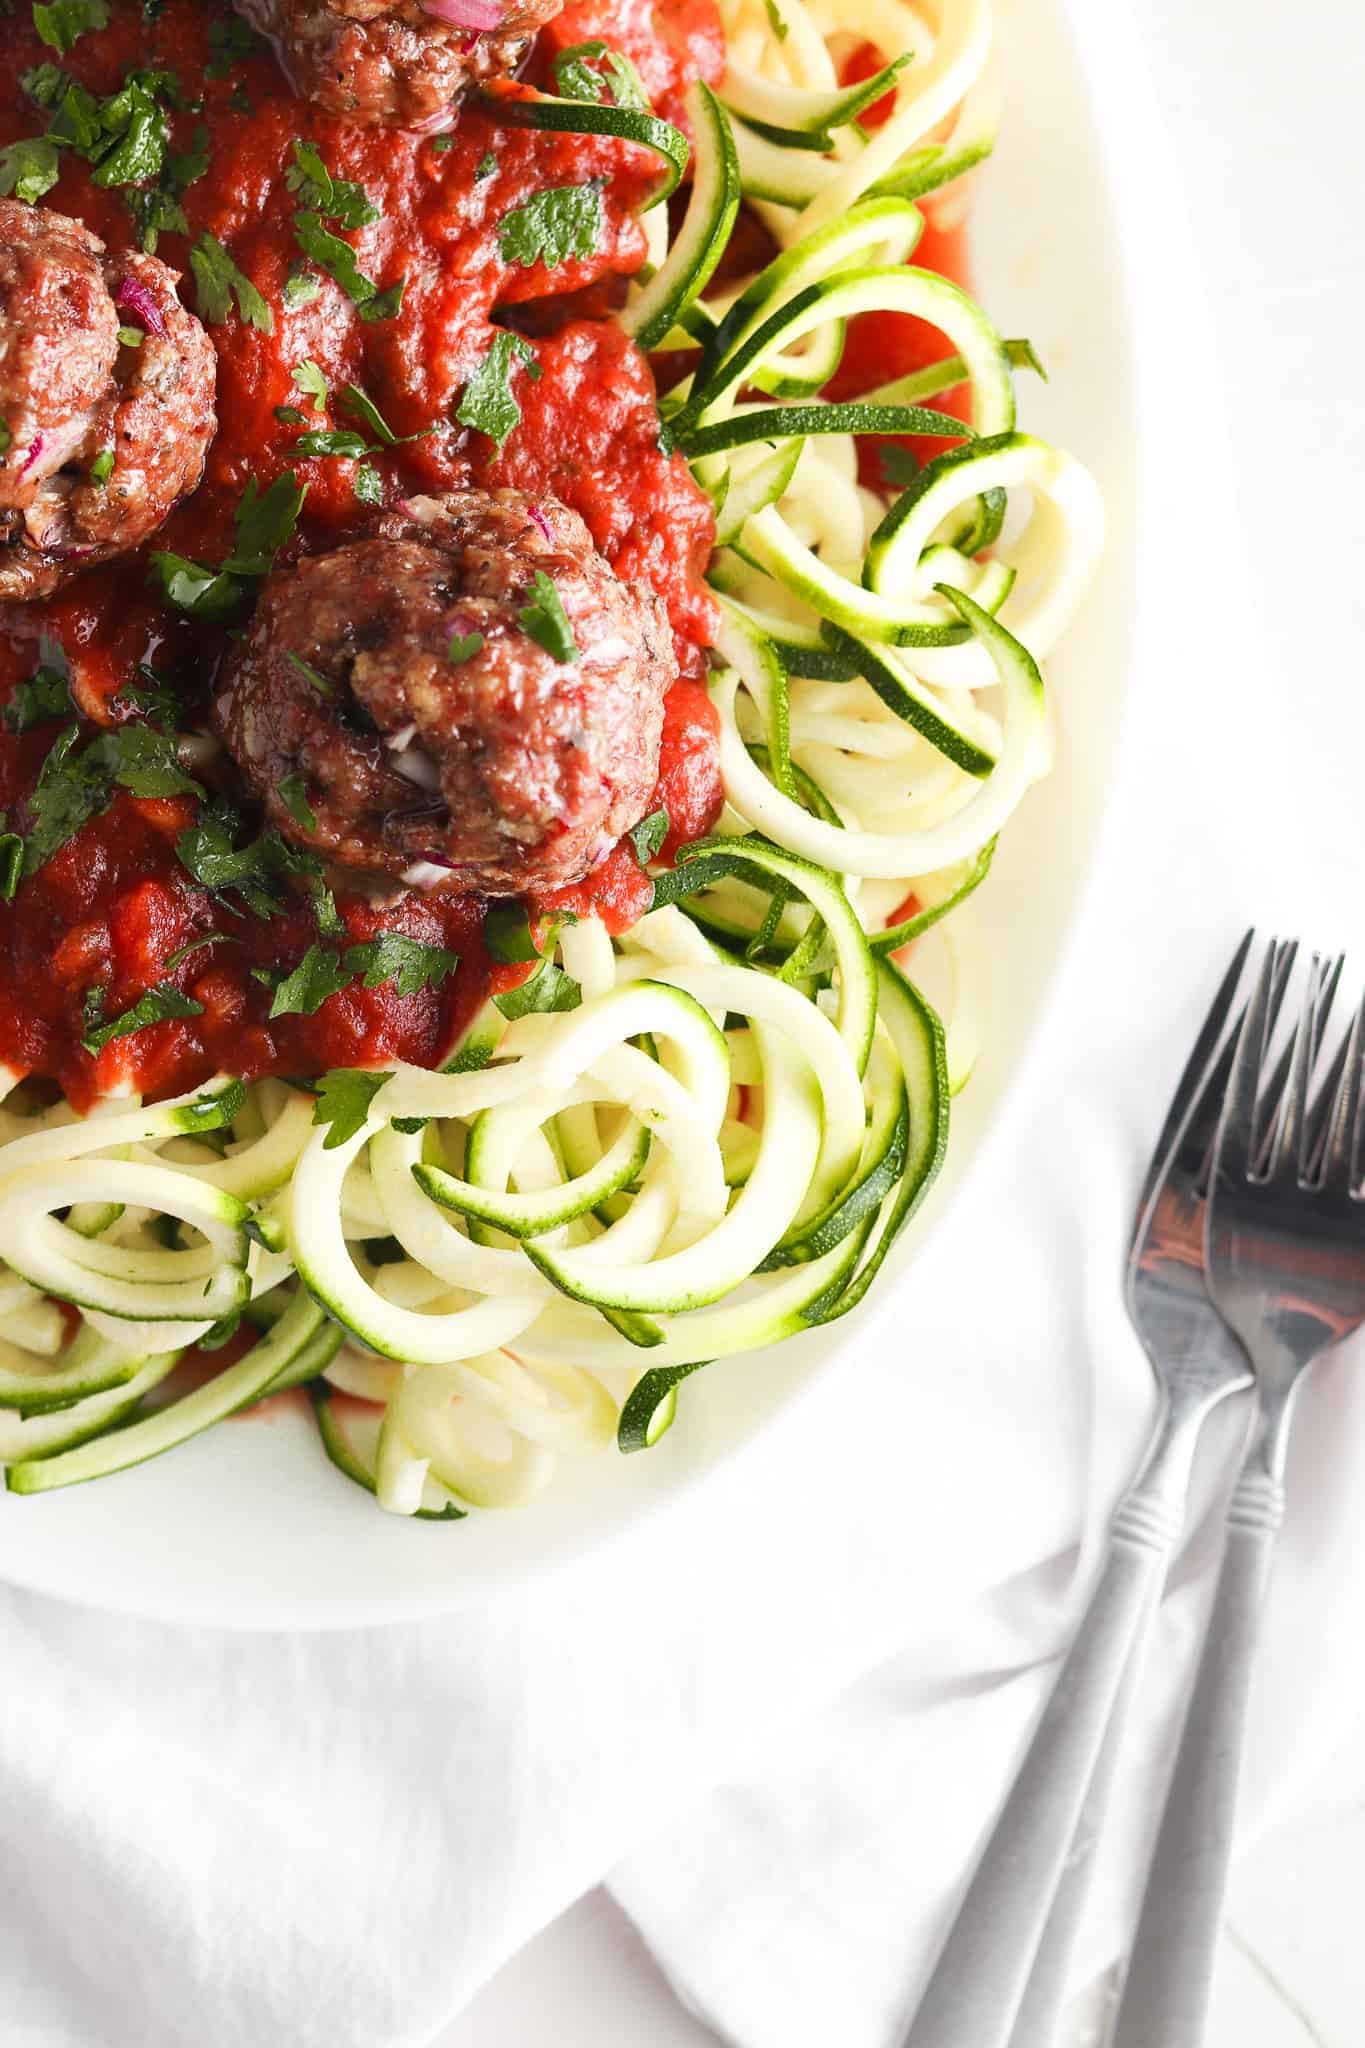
[(114, 911), (107, 916)]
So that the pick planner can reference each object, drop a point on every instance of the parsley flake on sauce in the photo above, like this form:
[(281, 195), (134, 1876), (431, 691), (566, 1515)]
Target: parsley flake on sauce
[(29, 169), (63, 22), (218, 282), (74, 787), (302, 992), (309, 378), (208, 850), (155, 1007), (410, 964), (230, 41), (576, 79), (464, 647), (560, 222), (488, 403), (336, 199), (544, 619), (46, 694), (264, 521), (339, 260)]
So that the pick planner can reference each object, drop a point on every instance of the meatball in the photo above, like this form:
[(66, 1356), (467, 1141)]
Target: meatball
[(101, 437), (467, 697), (397, 63)]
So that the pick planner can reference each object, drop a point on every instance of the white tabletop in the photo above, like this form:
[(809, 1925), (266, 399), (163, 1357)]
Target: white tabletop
[(1262, 107)]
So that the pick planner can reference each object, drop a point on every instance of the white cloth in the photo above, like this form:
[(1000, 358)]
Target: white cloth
[(804, 1689)]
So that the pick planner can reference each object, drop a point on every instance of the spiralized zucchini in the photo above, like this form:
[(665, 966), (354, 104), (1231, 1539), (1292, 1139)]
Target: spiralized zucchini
[(520, 1258)]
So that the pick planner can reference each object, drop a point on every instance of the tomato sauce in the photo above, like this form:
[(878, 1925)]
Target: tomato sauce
[(111, 907), (115, 904)]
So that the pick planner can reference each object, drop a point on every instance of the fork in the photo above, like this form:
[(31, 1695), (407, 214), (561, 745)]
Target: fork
[(1285, 1263), (981, 1985)]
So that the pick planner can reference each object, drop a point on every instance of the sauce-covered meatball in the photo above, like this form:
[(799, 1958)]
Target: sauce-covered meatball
[(103, 431), (397, 63), (468, 697)]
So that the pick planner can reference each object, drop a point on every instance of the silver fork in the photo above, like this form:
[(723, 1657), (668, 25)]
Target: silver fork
[(981, 1986), (1285, 1259)]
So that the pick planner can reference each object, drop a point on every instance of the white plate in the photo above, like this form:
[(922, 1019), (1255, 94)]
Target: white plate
[(249, 1527)]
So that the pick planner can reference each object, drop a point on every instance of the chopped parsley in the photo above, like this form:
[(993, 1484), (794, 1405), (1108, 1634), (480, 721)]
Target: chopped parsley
[(339, 260), (102, 468), (123, 136), (548, 989), (155, 1007), (507, 934), (334, 441), (576, 79), (29, 169), (368, 485), (649, 835), (131, 337), (74, 787), (488, 403), (264, 521), (292, 793), (64, 22), (335, 199), (302, 992), (11, 865), (153, 697), (192, 946), (464, 647), (46, 694), (310, 674), (410, 964), (560, 222), (344, 1098), (255, 872), (310, 380), (218, 282), (230, 41), (485, 167), (301, 287), (157, 208), (544, 619), (364, 408)]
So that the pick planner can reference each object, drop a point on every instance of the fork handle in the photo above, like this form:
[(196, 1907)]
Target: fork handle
[(979, 1980), (1166, 1996)]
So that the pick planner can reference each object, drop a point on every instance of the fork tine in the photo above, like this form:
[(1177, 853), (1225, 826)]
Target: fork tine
[(1343, 1127), (1235, 1153), (1191, 1100), (1289, 1146)]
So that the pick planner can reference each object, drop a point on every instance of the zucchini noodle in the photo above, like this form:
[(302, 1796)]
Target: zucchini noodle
[(516, 1259)]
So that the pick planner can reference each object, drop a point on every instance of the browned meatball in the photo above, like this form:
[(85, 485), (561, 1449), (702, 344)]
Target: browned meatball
[(397, 63), (394, 706), (101, 438)]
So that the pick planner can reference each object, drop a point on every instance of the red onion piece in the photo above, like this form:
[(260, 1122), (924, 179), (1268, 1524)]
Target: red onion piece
[(34, 452), (480, 14), (133, 294), (534, 512)]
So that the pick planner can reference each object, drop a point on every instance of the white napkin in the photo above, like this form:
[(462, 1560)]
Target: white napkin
[(331, 1842)]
